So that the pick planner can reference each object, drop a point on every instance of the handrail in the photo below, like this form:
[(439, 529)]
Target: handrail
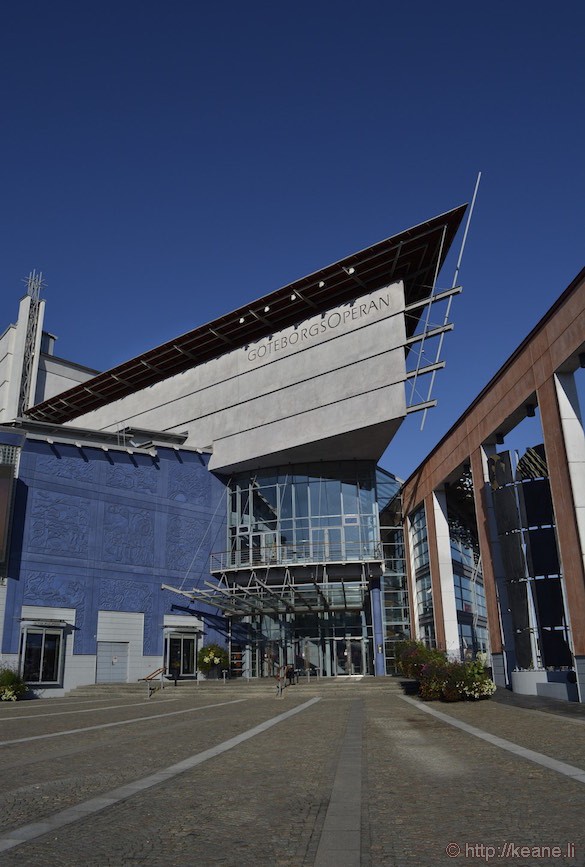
[(159, 672), (303, 553), (153, 674)]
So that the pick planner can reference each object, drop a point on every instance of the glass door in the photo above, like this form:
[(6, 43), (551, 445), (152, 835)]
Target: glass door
[(349, 656), (181, 656)]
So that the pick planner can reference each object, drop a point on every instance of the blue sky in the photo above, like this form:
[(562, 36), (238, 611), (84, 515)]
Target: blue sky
[(163, 162)]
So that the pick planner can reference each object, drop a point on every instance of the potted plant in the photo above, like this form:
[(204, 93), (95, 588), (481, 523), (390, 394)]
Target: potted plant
[(212, 660)]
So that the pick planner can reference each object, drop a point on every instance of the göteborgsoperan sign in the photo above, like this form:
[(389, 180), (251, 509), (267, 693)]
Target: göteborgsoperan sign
[(327, 322)]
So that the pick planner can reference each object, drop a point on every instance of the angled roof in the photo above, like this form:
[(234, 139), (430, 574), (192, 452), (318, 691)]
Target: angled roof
[(413, 256)]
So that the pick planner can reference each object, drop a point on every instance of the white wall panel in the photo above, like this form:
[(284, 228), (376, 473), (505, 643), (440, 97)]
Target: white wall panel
[(125, 626)]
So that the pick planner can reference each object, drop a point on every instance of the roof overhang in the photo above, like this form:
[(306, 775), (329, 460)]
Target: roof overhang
[(414, 256), (289, 597)]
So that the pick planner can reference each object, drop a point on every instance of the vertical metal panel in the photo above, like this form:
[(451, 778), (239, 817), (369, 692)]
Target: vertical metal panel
[(112, 662)]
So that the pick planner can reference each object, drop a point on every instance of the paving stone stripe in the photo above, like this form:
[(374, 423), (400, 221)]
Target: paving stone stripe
[(575, 773), (95, 805), (123, 722), (83, 710), (340, 842)]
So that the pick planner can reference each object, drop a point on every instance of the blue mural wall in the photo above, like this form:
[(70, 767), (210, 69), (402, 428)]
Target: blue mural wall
[(102, 530)]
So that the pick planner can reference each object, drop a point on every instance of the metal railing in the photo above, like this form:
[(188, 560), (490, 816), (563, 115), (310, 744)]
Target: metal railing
[(150, 680), (302, 553)]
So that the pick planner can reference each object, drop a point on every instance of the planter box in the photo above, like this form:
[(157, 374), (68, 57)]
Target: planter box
[(525, 682)]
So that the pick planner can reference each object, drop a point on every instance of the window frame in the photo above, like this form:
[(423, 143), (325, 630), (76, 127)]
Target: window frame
[(44, 630)]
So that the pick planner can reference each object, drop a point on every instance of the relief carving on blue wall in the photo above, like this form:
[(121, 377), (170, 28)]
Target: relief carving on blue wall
[(188, 543), (59, 524), (67, 468), (131, 478), (121, 594), (189, 483), (152, 639), (53, 591), (128, 535)]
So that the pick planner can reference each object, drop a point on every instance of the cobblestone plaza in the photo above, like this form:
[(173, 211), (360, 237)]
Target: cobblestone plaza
[(345, 772)]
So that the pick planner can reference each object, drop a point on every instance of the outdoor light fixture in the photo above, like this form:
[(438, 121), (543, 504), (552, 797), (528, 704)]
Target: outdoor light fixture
[(530, 410), (293, 297), (350, 270), (321, 284), (266, 309), (241, 320)]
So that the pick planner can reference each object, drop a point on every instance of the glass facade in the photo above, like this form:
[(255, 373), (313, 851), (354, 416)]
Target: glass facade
[(301, 514), (466, 562), (311, 533), (422, 577), (394, 584), (527, 536)]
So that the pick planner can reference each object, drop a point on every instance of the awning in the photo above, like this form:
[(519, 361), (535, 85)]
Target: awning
[(291, 597)]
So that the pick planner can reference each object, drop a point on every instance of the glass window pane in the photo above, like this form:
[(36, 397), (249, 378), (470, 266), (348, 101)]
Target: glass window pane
[(301, 500), (32, 656), (50, 669), (350, 498)]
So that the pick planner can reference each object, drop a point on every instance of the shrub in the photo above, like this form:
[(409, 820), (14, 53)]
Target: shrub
[(12, 686), (413, 655), (442, 679), (433, 678)]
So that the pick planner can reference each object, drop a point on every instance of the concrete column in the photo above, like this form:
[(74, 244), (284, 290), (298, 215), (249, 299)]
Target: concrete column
[(574, 439), (550, 394), (494, 578), (444, 607), (377, 627), (3, 589)]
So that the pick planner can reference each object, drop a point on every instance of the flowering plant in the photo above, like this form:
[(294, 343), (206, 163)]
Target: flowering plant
[(444, 679), (413, 656), (12, 686), (212, 657)]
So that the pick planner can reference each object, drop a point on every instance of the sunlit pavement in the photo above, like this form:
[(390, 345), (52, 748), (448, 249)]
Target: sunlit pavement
[(331, 773)]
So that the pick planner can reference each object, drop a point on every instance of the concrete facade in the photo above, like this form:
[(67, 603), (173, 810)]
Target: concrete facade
[(332, 384), (50, 375)]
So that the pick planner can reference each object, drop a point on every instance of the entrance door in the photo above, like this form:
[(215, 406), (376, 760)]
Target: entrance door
[(181, 658), (112, 662), (349, 656)]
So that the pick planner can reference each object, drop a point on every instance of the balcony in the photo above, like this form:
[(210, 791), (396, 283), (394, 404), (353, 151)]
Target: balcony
[(305, 553)]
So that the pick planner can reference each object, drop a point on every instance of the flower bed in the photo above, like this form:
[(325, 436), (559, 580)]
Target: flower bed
[(441, 679)]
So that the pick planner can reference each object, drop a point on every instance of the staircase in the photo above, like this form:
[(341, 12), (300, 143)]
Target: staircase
[(261, 687)]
